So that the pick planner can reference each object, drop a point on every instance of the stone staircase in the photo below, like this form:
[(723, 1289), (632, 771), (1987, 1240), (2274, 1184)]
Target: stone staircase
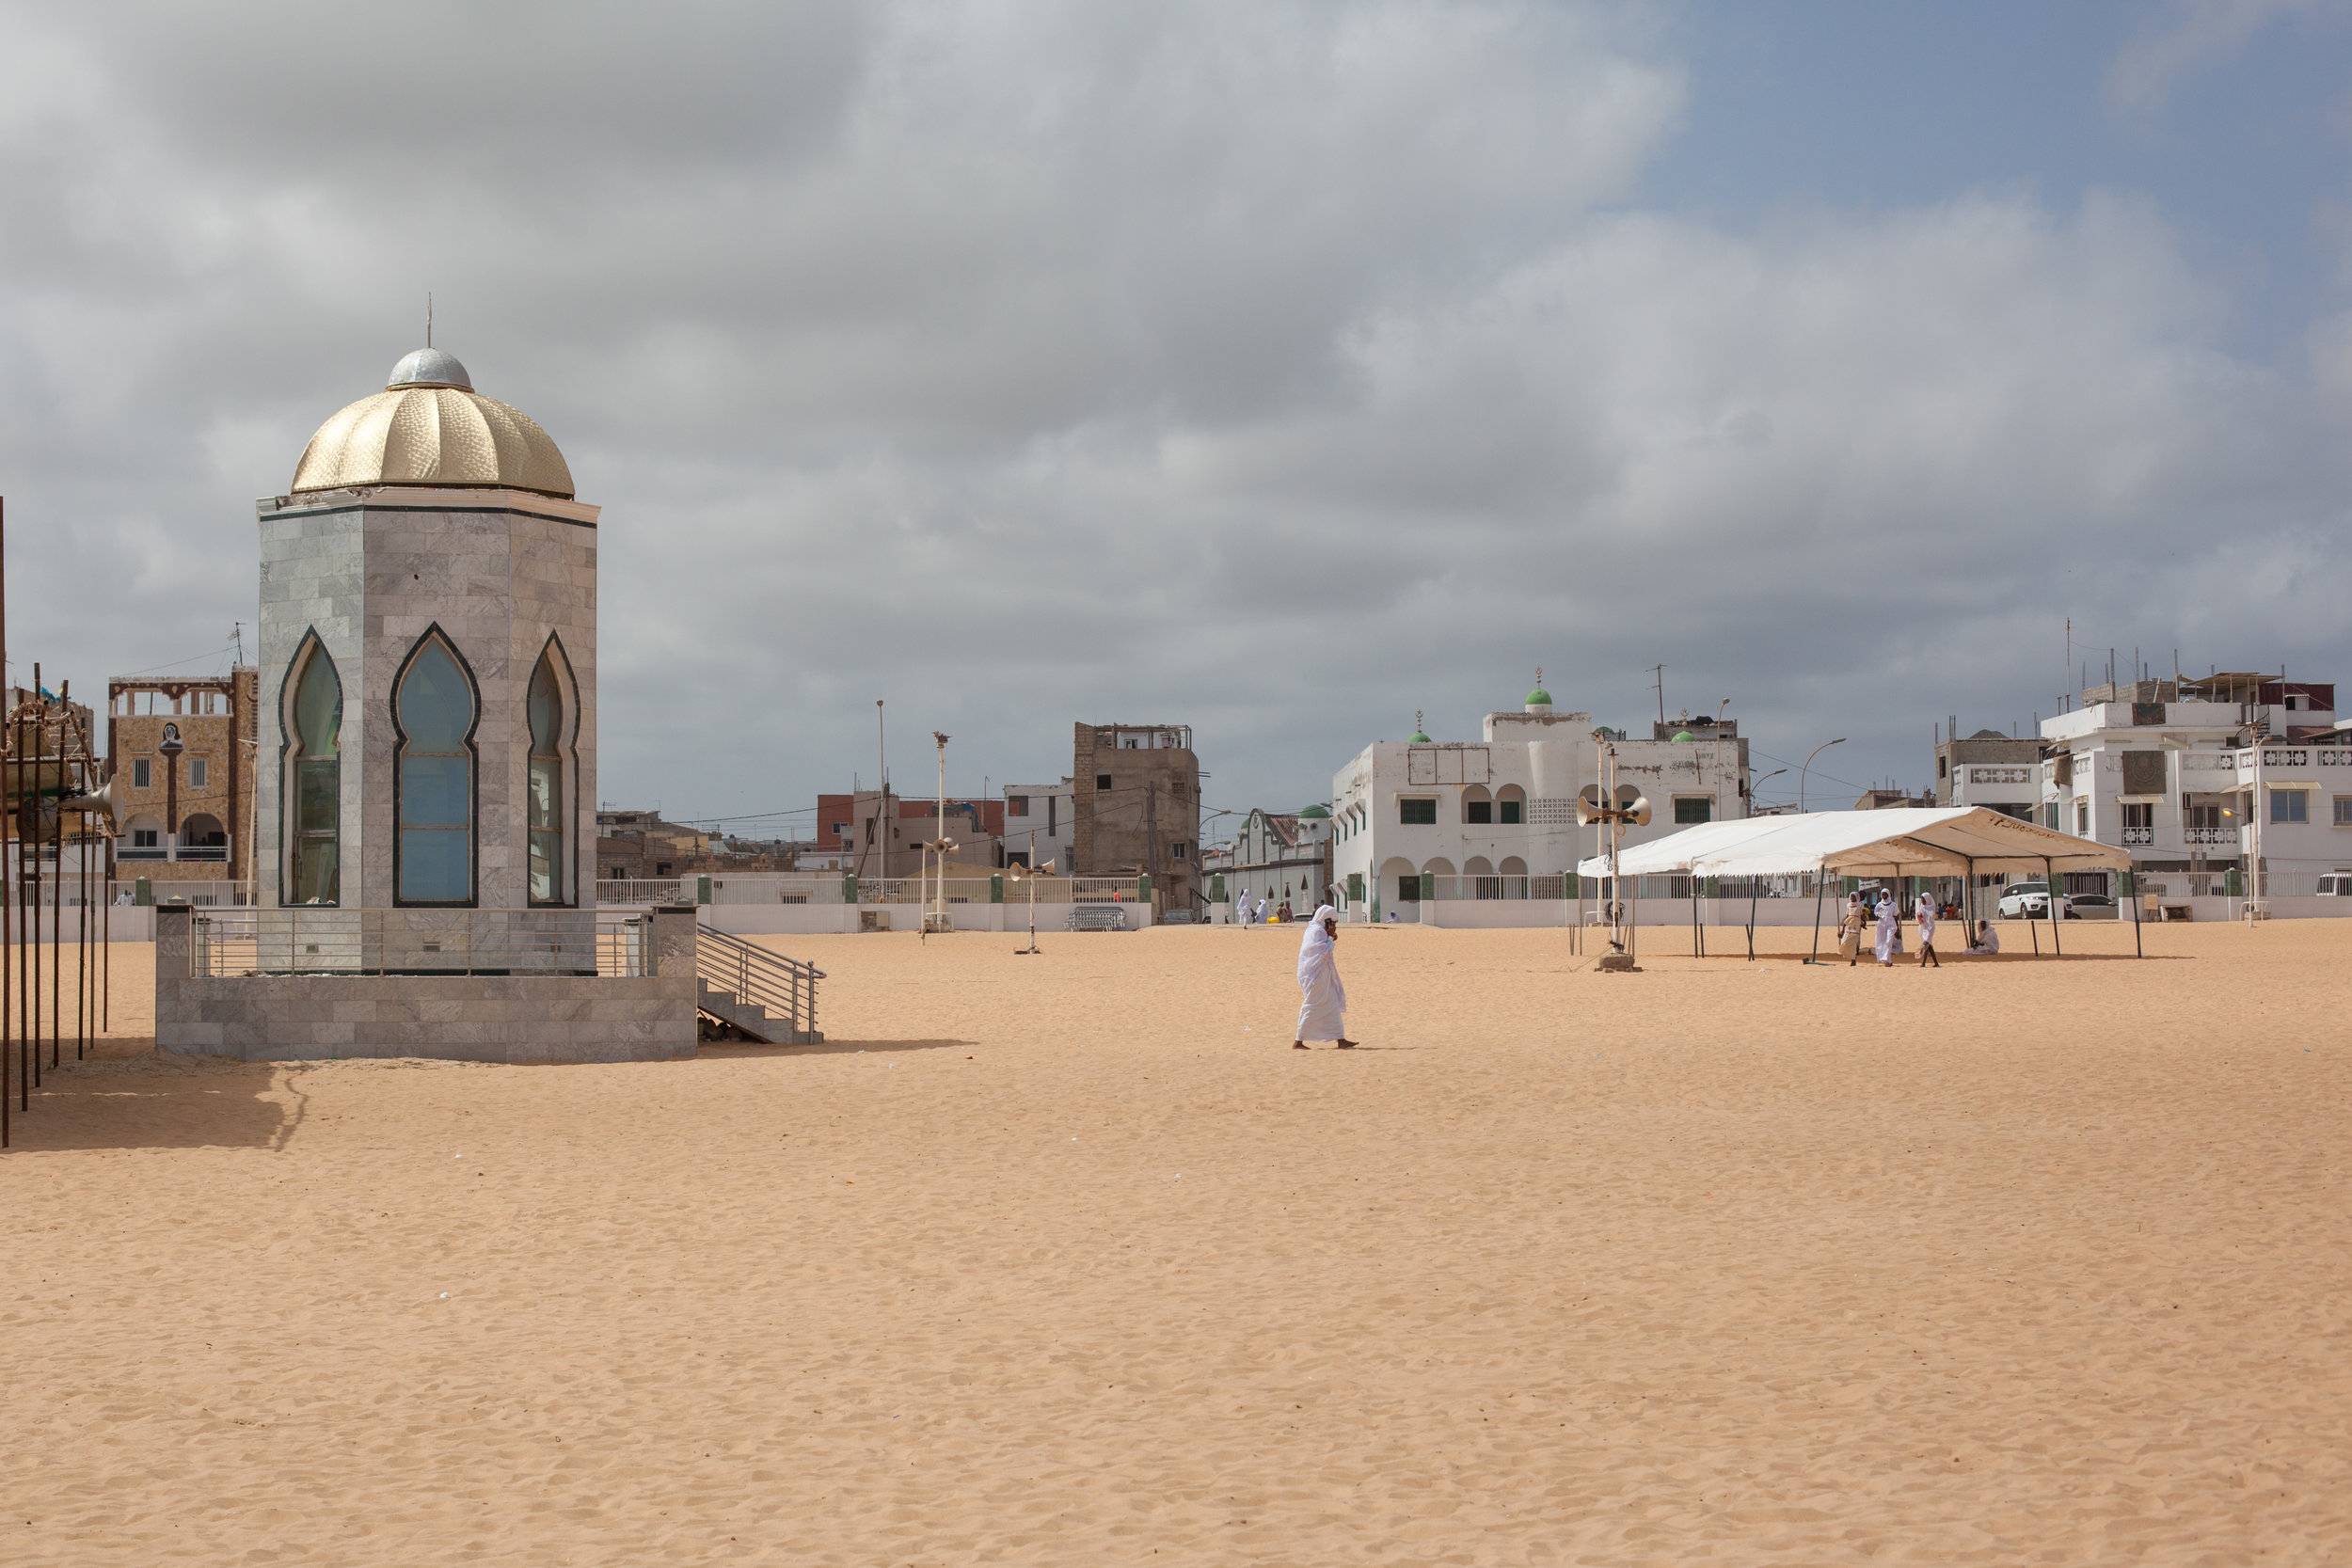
[(763, 995)]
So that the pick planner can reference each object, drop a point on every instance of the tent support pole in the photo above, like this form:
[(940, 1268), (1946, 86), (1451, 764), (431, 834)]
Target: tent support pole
[(1817, 883), (2133, 882), (1752, 897), (2049, 885)]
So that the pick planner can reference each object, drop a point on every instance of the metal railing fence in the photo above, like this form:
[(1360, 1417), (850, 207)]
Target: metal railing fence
[(826, 887), (231, 944), (786, 987)]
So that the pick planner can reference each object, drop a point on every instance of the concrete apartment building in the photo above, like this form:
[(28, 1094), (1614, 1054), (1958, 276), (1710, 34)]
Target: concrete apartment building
[(635, 844), (1419, 820), (1136, 807), (1040, 823), (854, 834), (182, 750), (2198, 777), (1997, 771)]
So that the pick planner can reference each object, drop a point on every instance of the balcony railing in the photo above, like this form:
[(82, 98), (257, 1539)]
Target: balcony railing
[(2222, 837), (2139, 835)]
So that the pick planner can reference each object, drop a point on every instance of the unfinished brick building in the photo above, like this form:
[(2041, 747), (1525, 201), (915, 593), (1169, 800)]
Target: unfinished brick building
[(1136, 804)]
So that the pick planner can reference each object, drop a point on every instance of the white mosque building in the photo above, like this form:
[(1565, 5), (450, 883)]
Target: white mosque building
[(1484, 831)]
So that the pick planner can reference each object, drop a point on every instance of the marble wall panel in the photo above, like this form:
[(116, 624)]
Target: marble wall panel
[(295, 1018)]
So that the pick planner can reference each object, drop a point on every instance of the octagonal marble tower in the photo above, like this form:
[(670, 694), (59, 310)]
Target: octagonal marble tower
[(428, 659)]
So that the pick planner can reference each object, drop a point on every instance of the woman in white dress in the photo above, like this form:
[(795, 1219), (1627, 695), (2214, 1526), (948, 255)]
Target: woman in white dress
[(1322, 1001), (1926, 931), (1890, 931)]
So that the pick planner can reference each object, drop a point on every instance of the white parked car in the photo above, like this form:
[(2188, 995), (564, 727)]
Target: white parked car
[(2031, 901)]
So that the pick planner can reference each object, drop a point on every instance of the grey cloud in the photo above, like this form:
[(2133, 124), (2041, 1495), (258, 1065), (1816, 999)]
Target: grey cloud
[(1280, 368)]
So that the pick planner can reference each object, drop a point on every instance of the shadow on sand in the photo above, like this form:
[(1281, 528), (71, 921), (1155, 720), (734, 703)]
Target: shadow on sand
[(731, 1049), (158, 1100)]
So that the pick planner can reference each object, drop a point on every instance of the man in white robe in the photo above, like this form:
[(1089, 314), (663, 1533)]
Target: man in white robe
[(1322, 1001), (1926, 931), (1890, 931)]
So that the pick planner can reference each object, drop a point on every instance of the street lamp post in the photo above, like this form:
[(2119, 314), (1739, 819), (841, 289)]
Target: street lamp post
[(1808, 765)]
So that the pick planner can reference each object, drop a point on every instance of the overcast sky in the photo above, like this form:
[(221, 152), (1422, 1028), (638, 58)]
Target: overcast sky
[(1276, 369)]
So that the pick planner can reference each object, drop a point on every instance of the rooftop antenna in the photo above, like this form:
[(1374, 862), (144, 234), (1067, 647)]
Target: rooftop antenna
[(236, 635), (1660, 670)]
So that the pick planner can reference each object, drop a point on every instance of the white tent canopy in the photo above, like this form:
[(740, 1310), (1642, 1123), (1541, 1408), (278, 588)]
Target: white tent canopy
[(1908, 841)]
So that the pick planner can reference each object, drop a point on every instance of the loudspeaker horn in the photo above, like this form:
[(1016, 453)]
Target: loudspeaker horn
[(1640, 808), (99, 801)]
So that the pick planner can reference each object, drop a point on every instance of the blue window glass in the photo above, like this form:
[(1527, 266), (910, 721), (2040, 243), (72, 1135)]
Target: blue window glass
[(435, 710)]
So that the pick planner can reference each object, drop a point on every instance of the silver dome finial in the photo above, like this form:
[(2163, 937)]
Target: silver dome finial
[(430, 367)]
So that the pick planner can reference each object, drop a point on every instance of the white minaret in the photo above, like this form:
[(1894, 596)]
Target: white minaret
[(428, 658)]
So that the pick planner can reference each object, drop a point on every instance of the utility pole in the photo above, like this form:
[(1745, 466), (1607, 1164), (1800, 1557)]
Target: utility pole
[(881, 798), (1658, 671), (1152, 839), (939, 842)]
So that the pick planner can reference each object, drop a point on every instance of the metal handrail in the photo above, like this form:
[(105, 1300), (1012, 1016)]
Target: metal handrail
[(238, 942), (786, 987)]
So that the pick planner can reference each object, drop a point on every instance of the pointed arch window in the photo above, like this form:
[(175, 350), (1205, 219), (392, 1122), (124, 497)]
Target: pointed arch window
[(314, 725), (545, 710), (433, 709)]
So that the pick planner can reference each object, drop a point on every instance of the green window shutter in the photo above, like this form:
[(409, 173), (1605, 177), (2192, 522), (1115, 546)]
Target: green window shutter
[(848, 887), (1511, 810), (997, 888), (702, 890), (1428, 888), (1355, 887)]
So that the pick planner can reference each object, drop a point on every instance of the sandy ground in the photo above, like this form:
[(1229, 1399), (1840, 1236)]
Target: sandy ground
[(1071, 1259)]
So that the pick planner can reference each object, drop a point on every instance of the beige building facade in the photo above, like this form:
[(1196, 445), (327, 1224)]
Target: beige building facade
[(182, 754)]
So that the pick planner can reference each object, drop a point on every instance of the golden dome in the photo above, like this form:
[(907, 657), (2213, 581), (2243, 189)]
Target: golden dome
[(429, 426)]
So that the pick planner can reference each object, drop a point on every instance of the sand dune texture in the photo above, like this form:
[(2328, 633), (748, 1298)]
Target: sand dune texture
[(1071, 1259)]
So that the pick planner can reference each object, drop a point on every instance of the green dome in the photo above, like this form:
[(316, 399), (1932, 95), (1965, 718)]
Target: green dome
[(1539, 698), (1684, 734), (1417, 738), (1312, 813)]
